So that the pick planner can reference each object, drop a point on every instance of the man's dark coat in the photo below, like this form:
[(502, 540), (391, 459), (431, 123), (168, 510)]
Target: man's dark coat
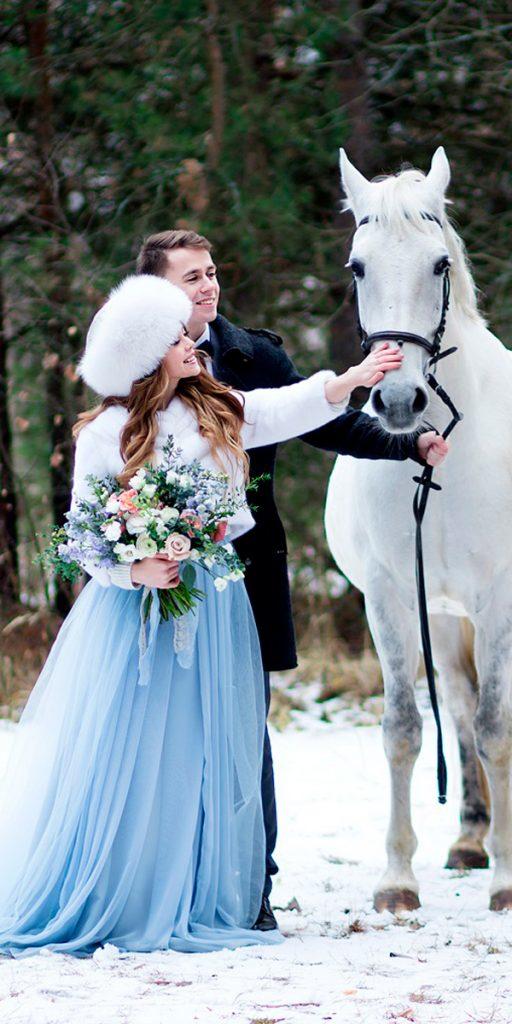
[(248, 359)]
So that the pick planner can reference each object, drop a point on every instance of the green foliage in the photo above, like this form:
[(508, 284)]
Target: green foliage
[(52, 562), (445, 78), (227, 118)]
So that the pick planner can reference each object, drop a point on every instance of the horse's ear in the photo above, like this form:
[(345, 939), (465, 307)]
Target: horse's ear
[(354, 184), (438, 177)]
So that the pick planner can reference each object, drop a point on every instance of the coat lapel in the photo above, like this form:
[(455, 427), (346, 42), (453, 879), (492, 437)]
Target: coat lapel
[(234, 350)]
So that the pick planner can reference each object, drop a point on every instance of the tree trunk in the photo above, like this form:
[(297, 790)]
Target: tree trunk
[(361, 148), (218, 80), (9, 568), (36, 18)]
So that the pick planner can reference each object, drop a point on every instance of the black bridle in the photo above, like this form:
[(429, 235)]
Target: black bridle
[(425, 485)]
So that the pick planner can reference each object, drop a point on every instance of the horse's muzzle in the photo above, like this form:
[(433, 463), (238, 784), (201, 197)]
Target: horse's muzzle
[(400, 407)]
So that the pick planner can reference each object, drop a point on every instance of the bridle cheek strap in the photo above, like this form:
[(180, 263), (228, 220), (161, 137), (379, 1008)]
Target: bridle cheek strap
[(432, 347)]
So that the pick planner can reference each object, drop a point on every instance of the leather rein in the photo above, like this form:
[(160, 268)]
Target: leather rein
[(425, 485)]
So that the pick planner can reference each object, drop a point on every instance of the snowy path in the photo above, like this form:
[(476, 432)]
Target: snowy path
[(341, 962)]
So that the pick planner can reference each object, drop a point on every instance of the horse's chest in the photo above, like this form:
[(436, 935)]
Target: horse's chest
[(462, 551)]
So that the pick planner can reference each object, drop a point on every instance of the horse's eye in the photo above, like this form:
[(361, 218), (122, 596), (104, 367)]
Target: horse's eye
[(442, 265), (357, 268)]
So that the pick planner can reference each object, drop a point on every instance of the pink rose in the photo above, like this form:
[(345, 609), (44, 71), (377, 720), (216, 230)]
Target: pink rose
[(192, 519), (125, 501), (220, 531), (177, 546)]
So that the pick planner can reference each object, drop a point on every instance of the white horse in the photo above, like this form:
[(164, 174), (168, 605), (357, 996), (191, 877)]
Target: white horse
[(398, 258)]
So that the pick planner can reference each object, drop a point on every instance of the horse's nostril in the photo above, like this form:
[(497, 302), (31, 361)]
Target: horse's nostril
[(420, 401), (378, 404)]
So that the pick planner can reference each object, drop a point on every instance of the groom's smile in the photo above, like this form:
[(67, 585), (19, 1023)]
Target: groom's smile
[(194, 271)]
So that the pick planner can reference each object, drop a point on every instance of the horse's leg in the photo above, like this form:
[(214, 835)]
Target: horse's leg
[(493, 730), (453, 643), (395, 633)]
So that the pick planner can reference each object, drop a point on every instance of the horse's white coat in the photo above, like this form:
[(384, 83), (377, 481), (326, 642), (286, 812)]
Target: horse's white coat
[(468, 526)]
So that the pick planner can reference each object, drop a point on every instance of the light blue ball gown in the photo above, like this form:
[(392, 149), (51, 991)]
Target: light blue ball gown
[(131, 814)]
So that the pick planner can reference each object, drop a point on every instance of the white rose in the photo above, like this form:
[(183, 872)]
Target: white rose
[(171, 477), (169, 515), (177, 546), (135, 524), (137, 481), (235, 574), (185, 480), (145, 545), (112, 531), (220, 583), (112, 504), (149, 490), (126, 552)]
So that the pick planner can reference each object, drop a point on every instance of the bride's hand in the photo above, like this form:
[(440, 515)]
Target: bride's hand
[(159, 571), (365, 374)]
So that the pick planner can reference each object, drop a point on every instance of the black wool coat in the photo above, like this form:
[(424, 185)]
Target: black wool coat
[(248, 359)]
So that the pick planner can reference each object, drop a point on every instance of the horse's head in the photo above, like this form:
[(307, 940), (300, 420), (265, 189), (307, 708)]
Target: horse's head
[(399, 260)]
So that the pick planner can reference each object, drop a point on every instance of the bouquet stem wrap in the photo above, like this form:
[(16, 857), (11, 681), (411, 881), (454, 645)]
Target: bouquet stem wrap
[(185, 629), (147, 634)]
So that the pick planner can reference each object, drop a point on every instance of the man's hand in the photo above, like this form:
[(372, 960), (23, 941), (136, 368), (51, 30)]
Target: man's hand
[(433, 448)]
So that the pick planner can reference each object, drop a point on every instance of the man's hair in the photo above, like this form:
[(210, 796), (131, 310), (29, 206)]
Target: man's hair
[(152, 258)]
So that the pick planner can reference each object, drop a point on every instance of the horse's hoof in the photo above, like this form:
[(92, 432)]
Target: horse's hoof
[(396, 900), (462, 858), (501, 900)]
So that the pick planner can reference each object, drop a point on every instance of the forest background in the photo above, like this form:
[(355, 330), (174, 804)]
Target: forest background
[(121, 118)]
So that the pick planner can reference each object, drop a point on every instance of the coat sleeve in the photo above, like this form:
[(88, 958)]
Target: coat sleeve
[(277, 414), (353, 432), (90, 459)]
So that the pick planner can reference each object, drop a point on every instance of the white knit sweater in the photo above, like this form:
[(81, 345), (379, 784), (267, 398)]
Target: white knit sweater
[(270, 415)]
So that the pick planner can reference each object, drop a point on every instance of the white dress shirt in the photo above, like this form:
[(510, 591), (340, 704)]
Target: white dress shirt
[(205, 336)]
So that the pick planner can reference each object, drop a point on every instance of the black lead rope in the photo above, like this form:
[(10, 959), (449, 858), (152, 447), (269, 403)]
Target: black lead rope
[(425, 486)]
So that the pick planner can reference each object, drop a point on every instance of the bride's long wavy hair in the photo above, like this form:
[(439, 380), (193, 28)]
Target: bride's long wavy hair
[(218, 412)]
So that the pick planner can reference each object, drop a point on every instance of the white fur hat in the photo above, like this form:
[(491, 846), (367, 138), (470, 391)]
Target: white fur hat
[(129, 336)]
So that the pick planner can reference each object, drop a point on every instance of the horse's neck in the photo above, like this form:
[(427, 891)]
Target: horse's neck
[(477, 377)]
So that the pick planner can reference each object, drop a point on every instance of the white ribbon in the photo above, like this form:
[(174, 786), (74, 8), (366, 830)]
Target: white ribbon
[(185, 630)]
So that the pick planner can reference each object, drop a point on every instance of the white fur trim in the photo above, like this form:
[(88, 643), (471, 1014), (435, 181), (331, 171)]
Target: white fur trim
[(130, 334)]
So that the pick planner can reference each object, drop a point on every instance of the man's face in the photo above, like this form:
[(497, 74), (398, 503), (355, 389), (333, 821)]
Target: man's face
[(194, 271)]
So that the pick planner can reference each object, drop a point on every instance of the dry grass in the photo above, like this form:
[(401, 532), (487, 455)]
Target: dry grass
[(335, 646), (339, 670), (25, 639)]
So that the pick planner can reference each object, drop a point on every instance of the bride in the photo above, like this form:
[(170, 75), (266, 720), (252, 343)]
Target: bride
[(132, 814)]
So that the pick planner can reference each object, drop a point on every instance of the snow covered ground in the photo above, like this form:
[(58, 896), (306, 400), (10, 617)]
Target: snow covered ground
[(341, 962)]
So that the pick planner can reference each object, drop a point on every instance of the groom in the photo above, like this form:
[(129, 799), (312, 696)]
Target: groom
[(246, 358)]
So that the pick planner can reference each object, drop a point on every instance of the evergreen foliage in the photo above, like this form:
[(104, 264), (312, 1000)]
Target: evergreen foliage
[(121, 118)]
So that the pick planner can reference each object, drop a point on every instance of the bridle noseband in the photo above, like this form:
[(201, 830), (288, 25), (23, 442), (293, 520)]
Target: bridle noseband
[(425, 483)]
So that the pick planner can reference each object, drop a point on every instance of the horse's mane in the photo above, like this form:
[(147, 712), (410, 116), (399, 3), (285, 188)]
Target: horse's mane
[(397, 205)]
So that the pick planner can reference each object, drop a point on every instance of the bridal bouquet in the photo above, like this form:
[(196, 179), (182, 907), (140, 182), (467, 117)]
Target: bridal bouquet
[(177, 508)]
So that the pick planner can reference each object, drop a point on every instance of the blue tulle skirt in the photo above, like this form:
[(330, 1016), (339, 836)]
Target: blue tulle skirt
[(131, 814)]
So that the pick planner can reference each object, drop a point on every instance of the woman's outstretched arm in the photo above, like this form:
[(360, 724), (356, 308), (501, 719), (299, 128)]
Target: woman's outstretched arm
[(277, 414)]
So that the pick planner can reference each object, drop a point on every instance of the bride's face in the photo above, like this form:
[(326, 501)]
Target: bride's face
[(180, 359)]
